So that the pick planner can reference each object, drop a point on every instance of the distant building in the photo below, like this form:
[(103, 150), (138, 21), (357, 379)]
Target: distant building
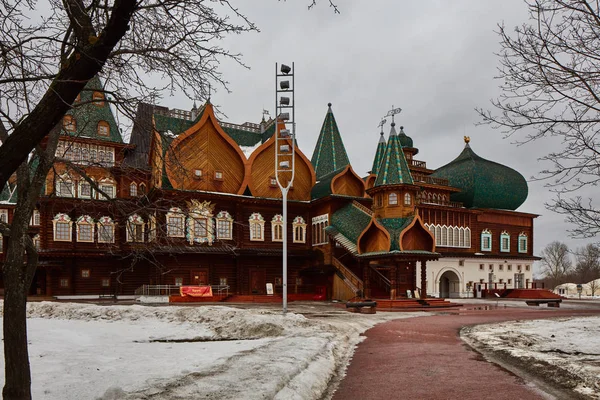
[(194, 201)]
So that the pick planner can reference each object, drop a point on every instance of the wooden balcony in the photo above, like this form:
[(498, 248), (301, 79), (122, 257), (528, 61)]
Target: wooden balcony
[(453, 204), (417, 163), (430, 179)]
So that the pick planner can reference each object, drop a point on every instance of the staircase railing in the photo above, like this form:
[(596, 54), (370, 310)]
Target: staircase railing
[(362, 208), (353, 281), (381, 279)]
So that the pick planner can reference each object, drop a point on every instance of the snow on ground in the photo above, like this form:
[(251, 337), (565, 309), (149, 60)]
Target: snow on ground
[(83, 351), (565, 350)]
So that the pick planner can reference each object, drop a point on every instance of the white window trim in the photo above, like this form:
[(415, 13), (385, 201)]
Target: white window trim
[(319, 223), (198, 211), (277, 221), (522, 239), (504, 235), (63, 179), (458, 234), (104, 222), (407, 199), (257, 219), (36, 219), (393, 195), (224, 216), (301, 224), (62, 219), (137, 221), (172, 230), (486, 234), (82, 182), (87, 221), (4, 213), (133, 189)]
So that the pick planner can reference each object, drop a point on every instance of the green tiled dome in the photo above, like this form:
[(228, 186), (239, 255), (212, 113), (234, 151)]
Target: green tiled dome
[(483, 183), (405, 141)]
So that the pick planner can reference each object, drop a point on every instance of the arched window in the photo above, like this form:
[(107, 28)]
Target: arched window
[(37, 242), (299, 226), (142, 189), (200, 226), (98, 99), (103, 128), (84, 190), (392, 199), (522, 242), (444, 241), (257, 227), (64, 186), (461, 237), (106, 230), (133, 189), (175, 223), (224, 226), (277, 228), (486, 240), (69, 123), (85, 229), (108, 186), (438, 235), (450, 236), (35, 218), (504, 242), (467, 237), (407, 199), (456, 237), (62, 228), (135, 229)]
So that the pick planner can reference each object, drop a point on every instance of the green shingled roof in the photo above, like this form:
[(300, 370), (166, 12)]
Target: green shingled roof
[(395, 226), (379, 154), (87, 114), (330, 153), (350, 221), (394, 168), (405, 141), (483, 183), (323, 186)]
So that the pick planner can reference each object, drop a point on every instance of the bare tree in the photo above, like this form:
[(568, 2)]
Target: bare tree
[(556, 262), (549, 69), (594, 286), (587, 263)]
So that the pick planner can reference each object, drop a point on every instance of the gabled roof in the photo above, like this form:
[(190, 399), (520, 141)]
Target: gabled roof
[(394, 168), (87, 114), (381, 145), (330, 153)]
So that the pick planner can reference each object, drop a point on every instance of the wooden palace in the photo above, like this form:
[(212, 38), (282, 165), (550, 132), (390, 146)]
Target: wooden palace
[(192, 200)]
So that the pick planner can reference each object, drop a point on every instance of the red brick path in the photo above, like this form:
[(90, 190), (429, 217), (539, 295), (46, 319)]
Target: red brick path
[(424, 358)]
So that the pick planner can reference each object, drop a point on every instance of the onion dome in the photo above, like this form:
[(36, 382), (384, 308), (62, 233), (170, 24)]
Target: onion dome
[(379, 153), (405, 140), (483, 183), (394, 168)]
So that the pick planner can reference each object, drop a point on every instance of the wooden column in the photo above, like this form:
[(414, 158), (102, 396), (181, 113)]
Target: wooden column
[(393, 281), (423, 279), (413, 267), (366, 279)]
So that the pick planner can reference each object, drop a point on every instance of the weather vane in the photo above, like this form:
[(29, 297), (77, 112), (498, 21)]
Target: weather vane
[(381, 124), (266, 112), (393, 112)]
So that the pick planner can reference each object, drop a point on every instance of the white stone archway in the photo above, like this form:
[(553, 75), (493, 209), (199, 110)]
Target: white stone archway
[(448, 282)]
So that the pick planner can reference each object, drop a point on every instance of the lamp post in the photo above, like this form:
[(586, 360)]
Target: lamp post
[(285, 147)]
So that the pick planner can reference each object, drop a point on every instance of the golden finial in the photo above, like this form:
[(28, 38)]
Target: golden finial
[(467, 139)]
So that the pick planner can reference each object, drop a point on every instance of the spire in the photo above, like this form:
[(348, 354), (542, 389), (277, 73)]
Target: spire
[(380, 150), (394, 168), (330, 153)]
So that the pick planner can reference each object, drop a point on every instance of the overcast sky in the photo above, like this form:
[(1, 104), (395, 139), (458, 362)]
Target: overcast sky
[(433, 59)]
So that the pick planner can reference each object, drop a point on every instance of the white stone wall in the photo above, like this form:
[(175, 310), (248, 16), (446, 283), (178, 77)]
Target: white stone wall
[(470, 271)]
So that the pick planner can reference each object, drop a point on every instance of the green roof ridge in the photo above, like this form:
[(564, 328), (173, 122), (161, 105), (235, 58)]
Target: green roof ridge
[(394, 168), (330, 153)]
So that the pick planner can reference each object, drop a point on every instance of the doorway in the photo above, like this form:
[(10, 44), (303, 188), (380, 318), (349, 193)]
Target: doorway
[(449, 285), (199, 277), (258, 281)]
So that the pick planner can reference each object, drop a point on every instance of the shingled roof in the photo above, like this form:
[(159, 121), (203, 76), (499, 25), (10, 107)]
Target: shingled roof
[(330, 153), (394, 168), (381, 145)]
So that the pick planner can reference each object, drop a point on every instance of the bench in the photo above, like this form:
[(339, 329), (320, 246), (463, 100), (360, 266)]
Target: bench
[(364, 307), (550, 302)]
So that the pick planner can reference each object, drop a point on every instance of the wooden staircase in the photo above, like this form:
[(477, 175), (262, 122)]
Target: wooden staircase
[(354, 285)]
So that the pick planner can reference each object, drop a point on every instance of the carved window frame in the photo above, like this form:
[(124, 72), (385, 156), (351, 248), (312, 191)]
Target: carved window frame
[(106, 224), (85, 221), (224, 219), (299, 230), (486, 236), (63, 220), (257, 227), (277, 228), (175, 223), (505, 242), (134, 223)]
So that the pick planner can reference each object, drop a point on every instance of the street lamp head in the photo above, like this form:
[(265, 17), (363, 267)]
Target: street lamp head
[(284, 101), (285, 69), (284, 116), (285, 133), (284, 85)]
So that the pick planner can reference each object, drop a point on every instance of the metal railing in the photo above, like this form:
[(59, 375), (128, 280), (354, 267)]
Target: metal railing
[(430, 179), (168, 290), (453, 204), (353, 281), (417, 163)]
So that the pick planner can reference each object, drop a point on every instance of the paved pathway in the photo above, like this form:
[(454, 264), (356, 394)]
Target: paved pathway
[(424, 358)]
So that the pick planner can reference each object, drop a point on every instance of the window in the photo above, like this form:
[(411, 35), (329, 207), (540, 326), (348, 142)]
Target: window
[(37, 242), (85, 190), (505, 242), (407, 199), (273, 181), (461, 263), (98, 99), (198, 174), (69, 123), (257, 227), (501, 281), (108, 189), (106, 230), (378, 200), (142, 189), (103, 128), (223, 281), (64, 282), (224, 226), (522, 243), (85, 273), (4, 216), (152, 228), (64, 187), (486, 240), (509, 267), (200, 227), (500, 267), (392, 199), (133, 189), (85, 229), (218, 175), (277, 228), (299, 227), (178, 281), (62, 228), (105, 282), (527, 268), (481, 267), (518, 267), (491, 267), (510, 281), (319, 223), (135, 229), (175, 223)]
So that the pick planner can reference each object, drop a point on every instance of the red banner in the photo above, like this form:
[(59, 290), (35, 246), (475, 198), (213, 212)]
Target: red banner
[(195, 291)]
